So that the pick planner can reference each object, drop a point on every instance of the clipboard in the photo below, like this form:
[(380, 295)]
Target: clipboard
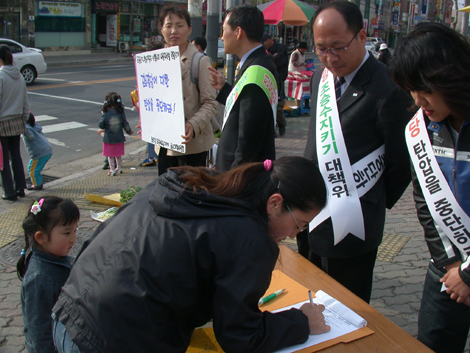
[(203, 339)]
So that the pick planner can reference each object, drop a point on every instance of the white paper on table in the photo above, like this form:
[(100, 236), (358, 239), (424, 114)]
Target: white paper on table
[(337, 316)]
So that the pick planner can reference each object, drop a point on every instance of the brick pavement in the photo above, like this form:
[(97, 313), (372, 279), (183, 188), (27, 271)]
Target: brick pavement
[(397, 284)]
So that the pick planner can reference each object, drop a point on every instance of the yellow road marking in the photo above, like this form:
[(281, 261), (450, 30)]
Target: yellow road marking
[(81, 83)]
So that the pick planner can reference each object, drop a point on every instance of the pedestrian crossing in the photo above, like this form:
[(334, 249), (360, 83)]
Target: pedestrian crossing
[(57, 127)]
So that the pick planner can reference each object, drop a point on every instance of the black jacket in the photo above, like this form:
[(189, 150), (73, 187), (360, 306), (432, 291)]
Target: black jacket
[(373, 111), (248, 134), (168, 262)]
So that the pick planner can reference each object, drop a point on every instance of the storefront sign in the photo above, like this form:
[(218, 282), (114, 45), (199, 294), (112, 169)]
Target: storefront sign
[(160, 90), (62, 9), (106, 6), (111, 30)]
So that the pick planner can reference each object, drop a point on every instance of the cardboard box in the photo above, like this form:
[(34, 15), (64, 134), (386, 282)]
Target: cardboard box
[(292, 103)]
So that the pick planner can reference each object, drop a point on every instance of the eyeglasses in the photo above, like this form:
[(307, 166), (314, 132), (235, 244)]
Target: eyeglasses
[(298, 226), (335, 51)]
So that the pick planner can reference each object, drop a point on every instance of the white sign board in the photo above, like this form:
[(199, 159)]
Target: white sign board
[(58, 8), (111, 30), (161, 97)]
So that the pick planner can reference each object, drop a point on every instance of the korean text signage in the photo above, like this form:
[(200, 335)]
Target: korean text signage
[(106, 6), (63, 9), (160, 89)]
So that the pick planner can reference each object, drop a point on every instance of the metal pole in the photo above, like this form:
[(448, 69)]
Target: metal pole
[(230, 58), (213, 29), (465, 20), (195, 12)]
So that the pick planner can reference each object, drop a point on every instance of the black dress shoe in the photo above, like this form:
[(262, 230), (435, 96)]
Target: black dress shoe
[(282, 129), (10, 198), (20, 193)]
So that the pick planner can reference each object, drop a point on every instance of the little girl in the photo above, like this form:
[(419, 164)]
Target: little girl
[(112, 122), (39, 150), (50, 232)]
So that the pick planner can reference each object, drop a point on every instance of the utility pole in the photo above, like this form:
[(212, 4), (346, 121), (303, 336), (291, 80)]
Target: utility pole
[(213, 29), (195, 12), (465, 20), (230, 58)]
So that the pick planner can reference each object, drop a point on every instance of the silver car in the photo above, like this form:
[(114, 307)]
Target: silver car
[(30, 61)]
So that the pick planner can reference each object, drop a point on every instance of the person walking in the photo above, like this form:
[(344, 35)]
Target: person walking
[(14, 111), (357, 141), (433, 64), (39, 151)]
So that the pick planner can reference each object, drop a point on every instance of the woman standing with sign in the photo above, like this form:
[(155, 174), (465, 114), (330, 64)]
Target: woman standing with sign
[(433, 64), (199, 99)]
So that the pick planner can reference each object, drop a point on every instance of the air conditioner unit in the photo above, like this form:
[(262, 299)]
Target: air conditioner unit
[(123, 46)]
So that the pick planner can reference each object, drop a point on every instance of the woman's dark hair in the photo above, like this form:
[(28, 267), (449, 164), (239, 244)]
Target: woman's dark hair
[(5, 55), (297, 179), (55, 211), (249, 18), (31, 120), (178, 11), (113, 99), (349, 11), (435, 58)]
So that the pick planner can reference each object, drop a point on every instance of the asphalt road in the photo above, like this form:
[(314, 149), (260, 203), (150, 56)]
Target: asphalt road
[(67, 102)]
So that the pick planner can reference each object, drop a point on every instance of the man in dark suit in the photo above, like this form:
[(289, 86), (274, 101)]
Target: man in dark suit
[(250, 105), (372, 118), (278, 52)]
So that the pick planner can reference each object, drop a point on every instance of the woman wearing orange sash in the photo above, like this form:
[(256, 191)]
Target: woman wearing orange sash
[(433, 64)]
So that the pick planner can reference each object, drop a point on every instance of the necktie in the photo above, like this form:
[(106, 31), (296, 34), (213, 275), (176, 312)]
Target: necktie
[(338, 82), (236, 71)]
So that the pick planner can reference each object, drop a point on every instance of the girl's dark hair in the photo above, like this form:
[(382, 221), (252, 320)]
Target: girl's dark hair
[(435, 58), (178, 11), (55, 211), (31, 120), (297, 179), (112, 99), (5, 55)]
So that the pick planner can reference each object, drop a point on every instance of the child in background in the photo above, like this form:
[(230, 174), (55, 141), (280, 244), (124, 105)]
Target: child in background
[(39, 150), (106, 164), (50, 232), (112, 122)]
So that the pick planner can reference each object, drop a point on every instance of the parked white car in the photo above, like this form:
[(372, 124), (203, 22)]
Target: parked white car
[(30, 61)]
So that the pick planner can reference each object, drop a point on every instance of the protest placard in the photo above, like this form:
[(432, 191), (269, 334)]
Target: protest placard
[(160, 89)]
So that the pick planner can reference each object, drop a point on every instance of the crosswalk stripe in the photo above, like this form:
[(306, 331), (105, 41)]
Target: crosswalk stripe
[(44, 117), (63, 126)]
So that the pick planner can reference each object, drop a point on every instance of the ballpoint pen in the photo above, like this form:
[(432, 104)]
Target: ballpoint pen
[(271, 296), (310, 297)]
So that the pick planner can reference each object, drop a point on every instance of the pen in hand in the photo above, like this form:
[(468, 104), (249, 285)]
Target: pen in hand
[(310, 297), (271, 296)]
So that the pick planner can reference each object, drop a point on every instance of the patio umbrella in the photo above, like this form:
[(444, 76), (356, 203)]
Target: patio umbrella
[(290, 12), (465, 9)]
